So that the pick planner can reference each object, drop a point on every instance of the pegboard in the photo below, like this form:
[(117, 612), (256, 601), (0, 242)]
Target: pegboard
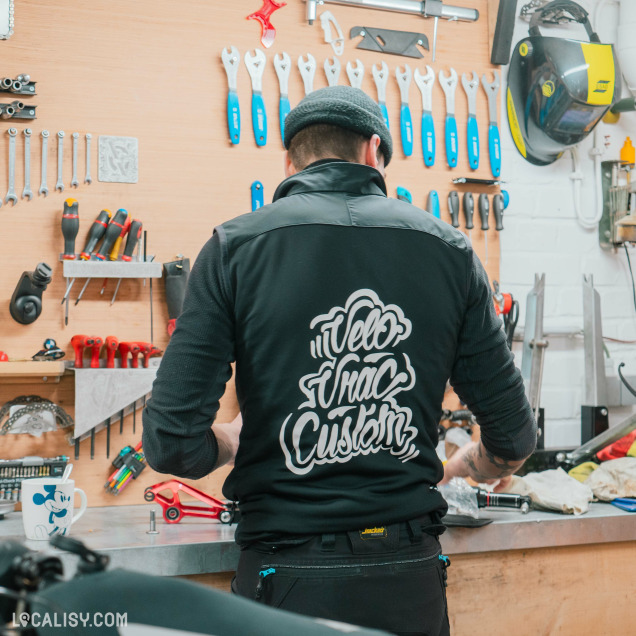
[(152, 70)]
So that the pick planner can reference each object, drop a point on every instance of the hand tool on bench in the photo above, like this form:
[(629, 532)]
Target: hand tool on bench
[(329, 24), (231, 60), (282, 65), (484, 209), (469, 210), (307, 70), (494, 142), (406, 123), (355, 74), (449, 83), (256, 67), (59, 186), (11, 196), (471, 86), (27, 193), (424, 8), (44, 189), (332, 71), (498, 209), (381, 78), (432, 204), (453, 207), (256, 190), (388, 41), (425, 84), (268, 32)]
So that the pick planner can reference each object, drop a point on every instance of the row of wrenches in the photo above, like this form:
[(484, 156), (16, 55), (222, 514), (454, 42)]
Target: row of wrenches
[(27, 193), (256, 63)]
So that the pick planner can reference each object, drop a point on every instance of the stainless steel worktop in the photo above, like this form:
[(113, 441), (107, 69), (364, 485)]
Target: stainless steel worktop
[(196, 546)]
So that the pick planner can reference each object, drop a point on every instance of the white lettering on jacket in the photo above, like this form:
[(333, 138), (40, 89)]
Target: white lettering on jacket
[(350, 407)]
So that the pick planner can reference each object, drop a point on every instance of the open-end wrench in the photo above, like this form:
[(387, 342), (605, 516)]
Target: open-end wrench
[(406, 122), (471, 86), (449, 83), (12, 132), (332, 71), (88, 179), (307, 72), (355, 73), (44, 189), (27, 193), (425, 84), (381, 77), (74, 181), (231, 60), (494, 143), (60, 161), (282, 65), (256, 67)]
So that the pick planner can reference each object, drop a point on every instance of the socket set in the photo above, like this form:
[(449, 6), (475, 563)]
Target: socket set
[(14, 471)]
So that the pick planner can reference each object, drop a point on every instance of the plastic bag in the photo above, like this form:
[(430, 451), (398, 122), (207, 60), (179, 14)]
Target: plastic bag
[(460, 497)]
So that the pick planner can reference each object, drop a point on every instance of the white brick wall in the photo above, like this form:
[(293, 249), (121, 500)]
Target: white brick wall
[(541, 235)]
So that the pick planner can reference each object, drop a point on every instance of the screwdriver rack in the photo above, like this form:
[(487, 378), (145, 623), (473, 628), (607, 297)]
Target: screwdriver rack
[(112, 269)]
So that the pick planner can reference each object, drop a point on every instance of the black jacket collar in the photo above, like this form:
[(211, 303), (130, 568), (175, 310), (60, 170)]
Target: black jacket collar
[(333, 176)]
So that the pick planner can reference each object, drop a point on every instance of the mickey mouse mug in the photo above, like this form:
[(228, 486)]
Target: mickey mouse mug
[(47, 506)]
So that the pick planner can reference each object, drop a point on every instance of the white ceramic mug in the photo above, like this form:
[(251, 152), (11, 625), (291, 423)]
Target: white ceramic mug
[(47, 506)]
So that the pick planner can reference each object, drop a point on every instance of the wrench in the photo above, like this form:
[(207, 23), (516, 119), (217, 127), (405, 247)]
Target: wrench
[(494, 143), (60, 160), (256, 67), (425, 84), (332, 71), (45, 145), (282, 65), (88, 179), (26, 193), (11, 193), (381, 77), (74, 181), (355, 74), (231, 61), (449, 83), (471, 86), (307, 72), (406, 123)]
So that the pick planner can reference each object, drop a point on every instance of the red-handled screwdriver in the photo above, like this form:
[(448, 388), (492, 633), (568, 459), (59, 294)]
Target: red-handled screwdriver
[(134, 234), (97, 345), (95, 234), (112, 344), (79, 343)]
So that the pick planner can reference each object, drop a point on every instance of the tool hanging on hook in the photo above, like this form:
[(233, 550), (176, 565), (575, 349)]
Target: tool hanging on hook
[(268, 32)]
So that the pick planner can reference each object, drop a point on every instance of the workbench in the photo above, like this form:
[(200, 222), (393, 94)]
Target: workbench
[(579, 572)]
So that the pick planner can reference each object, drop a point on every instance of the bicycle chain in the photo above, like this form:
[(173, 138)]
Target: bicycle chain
[(34, 404)]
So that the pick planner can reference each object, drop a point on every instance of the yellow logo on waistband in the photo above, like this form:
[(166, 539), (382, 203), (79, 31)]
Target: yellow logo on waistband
[(373, 533)]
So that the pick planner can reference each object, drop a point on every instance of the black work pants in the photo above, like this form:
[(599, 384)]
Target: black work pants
[(391, 578)]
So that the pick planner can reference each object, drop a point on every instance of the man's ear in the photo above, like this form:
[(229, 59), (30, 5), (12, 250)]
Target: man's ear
[(371, 154), (289, 167)]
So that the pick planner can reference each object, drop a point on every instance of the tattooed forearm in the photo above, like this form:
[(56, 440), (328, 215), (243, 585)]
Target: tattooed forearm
[(501, 464), (475, 473), (484, 466)]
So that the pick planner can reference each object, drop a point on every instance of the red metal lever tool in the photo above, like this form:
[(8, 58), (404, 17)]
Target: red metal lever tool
[(268, 32)]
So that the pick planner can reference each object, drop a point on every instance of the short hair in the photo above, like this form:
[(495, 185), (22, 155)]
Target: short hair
[(325, 141)]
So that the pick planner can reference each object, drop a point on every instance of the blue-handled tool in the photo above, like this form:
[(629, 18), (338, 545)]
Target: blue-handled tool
[(404, 195), (471, 86), (406, 122), (258, 200), (432, 204), (449, 83), (381, 77), (282, 64), (425, 84), (231, 60), (256, 67), (494, 142)]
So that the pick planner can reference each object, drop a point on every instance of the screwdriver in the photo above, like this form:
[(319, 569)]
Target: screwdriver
[(498, 209), (432, 204), (484, 209), (113, 231), (114, 252), (112, 345), (95, 235), (469, 210), (453, 207), (134, 234), (70, 228)]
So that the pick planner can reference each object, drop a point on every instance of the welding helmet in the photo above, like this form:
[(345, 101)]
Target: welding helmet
[(558, 89)]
